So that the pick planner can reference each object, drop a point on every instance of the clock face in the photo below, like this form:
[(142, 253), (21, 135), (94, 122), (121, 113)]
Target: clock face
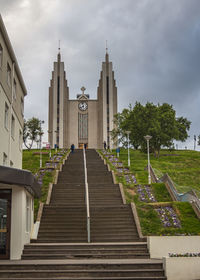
[(83, 106)]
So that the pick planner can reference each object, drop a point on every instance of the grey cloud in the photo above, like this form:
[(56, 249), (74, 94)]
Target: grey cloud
[(154, 46)]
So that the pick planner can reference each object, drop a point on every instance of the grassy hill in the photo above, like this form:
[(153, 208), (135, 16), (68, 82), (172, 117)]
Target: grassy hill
[(158, 214), (183, 166), (31, 162)]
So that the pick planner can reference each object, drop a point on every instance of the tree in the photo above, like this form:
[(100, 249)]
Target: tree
[(31, 132), (159, 121)]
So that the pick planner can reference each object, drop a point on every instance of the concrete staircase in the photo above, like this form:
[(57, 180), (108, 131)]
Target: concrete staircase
[(61, 250), (111, 221)]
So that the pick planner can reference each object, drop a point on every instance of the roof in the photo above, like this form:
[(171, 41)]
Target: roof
[(12, 54), (19, 177)]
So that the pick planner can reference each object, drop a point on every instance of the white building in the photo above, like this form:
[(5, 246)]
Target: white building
[(12, 93), (17, 187)]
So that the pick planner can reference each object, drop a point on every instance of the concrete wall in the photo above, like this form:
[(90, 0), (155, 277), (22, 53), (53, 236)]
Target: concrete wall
[(161, 246), (19, 235), (182, 268), (73, 123), (92, 124)]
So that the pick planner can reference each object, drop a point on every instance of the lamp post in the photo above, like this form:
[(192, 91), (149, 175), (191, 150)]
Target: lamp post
[(195, 139), (128, 133), (49, 140), (41, 122), (148, 137)]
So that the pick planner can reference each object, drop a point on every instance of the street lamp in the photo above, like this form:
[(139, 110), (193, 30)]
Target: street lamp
[(148, 137), (41, 122), (50, 141), (128, 133)]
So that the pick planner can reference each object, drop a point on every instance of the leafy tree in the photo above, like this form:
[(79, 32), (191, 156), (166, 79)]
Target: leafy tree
[(31, 132), (159, 121)]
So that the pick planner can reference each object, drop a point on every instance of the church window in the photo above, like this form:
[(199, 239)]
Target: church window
[(83, 126), (58, 90), (107, 89)]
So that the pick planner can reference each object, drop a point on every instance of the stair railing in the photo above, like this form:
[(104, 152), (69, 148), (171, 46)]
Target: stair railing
[(86, 197)]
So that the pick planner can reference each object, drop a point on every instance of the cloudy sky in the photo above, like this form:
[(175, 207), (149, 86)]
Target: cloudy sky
[(154, 46)]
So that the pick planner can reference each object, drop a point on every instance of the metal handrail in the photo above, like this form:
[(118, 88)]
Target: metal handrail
[(86, 196)]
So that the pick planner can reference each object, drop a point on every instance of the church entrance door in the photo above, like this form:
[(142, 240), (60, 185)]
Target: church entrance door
[(81, 145), (5, 218)]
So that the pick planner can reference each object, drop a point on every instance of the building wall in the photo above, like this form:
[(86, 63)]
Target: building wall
[(73, 123), (14, 98), (92, 124), (14, 151), (19, 235)]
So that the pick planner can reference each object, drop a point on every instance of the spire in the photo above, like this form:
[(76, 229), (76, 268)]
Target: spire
[(59, 57), (107, 56)]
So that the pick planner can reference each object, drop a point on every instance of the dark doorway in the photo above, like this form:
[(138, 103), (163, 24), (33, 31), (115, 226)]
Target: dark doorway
[(5, 223)]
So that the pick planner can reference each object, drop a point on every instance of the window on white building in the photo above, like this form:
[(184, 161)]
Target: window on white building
[(6, 116), (22, 106), (11, 163), (1, 56), (28, 213), (14, 90), (5, 159), (20, 140), (8, 74), (13, 127)]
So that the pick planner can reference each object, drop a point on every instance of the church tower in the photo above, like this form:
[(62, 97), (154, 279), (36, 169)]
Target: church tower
[(82, 120), (58, 97), (107, 98)]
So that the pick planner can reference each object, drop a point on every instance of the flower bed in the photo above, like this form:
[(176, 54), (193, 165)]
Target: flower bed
[(145, 193), (121, 171), (168, 217), (50, 166)]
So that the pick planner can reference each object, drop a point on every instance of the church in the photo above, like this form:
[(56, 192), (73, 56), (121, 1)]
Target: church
[(82, 120)]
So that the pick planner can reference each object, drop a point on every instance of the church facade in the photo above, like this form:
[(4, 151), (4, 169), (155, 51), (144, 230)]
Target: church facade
[(82, 120)]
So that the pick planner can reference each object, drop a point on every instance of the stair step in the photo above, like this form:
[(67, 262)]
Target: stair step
[(81, 273)]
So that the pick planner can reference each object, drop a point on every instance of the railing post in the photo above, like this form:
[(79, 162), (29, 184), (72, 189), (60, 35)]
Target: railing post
[(86, 196)]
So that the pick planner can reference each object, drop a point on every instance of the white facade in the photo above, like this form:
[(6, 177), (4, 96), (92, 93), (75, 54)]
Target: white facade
[(10, 142), (12, 93), (22, 219)]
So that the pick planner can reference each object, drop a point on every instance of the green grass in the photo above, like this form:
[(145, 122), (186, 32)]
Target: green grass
[(181, 165), (31, 162), (151, 224)]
